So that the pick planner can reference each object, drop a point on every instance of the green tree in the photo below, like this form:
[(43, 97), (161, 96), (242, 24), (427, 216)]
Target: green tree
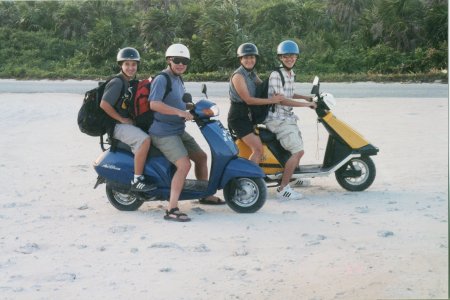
[(396, 23), (35, 16), (70, 22), (9, 14), (158, 28), (342, 36), (220, 33), (436, 22), (347, 13), (301, 21)]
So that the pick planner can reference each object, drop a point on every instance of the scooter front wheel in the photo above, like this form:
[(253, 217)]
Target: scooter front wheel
[(122, 200), (357, 175), (245, 195)]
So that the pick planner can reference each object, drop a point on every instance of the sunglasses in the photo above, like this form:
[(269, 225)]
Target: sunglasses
[(180, 60), (286, 56)]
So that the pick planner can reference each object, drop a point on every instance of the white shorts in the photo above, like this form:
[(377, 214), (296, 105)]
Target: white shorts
[(287, 133), (131, 135)]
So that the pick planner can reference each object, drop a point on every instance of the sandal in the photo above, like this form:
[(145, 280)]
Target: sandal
[(217, 201), (175, 215)]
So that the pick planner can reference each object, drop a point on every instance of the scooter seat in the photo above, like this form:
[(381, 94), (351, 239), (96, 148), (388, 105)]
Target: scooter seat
[(153, 150), (266, 135)]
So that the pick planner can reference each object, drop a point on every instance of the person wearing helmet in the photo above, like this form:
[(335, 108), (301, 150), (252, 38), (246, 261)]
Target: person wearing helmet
[(113, 104), (168, 130), (282, 121), (242, 92)]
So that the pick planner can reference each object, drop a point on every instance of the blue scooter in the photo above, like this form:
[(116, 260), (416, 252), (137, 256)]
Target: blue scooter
[(242, 181)]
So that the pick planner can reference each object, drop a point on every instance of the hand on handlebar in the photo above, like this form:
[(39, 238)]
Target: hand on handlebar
[(312, 105), (186, 115)]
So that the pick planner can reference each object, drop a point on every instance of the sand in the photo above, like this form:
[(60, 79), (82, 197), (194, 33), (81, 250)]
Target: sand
[(61, 239)]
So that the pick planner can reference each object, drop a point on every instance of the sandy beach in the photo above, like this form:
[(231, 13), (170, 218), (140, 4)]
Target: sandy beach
[(61, 239)]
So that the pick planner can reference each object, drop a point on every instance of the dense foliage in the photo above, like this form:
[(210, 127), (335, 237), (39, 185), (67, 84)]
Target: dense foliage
[(344, 39)]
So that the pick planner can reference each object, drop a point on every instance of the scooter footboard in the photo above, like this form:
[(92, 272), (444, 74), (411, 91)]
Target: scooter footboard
[(240, 167)]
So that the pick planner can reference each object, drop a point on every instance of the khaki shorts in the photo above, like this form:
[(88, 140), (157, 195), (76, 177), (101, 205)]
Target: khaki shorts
[(131, 135), (175, 147), (287, 133)]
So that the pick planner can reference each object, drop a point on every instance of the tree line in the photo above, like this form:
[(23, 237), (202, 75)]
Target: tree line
[(80, 39)]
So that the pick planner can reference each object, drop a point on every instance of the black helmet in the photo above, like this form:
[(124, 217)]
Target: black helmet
[(128, 53), (247, 49)]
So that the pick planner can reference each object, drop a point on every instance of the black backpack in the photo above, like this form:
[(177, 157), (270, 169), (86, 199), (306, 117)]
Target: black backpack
[(259, 112), (92, 119)]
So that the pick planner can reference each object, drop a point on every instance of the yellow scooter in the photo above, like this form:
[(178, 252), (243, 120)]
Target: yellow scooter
[(347, 152)]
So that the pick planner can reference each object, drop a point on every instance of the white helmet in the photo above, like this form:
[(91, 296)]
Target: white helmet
[(178, 50)]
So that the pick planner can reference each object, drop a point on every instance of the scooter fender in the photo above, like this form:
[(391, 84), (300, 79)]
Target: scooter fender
[(118, 166), (240, 167), (115, 166)]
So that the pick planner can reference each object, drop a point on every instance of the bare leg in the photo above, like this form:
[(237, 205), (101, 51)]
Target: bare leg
[(254, 142), (201, 166), (183, 166), (289, 168), (201, 170), (140, 157)]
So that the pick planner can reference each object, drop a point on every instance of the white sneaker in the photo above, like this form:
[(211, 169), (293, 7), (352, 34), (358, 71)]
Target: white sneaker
[(301, 182), (287, 193)]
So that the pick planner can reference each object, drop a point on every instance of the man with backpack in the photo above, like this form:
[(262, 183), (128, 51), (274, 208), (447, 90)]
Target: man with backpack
[(282, 121), (114, 104), (168, 129)]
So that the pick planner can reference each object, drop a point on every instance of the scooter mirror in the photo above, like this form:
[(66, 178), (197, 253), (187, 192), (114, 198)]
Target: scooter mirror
[(187, 98), (204, 90), (316, 86)]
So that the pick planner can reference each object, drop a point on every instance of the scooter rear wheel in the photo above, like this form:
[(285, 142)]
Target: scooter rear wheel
[(121, 200), (363, 164), (245, 195)]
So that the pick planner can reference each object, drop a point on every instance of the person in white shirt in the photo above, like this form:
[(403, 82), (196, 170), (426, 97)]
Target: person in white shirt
[(282, 121)]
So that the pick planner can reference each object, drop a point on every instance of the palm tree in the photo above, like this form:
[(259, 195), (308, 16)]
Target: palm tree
[(157, 29), (220, 31), (436, 22), (69, 21), (396, 23), (347, 12)]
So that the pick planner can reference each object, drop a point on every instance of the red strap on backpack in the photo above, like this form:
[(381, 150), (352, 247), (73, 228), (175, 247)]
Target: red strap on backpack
[(141, 103)]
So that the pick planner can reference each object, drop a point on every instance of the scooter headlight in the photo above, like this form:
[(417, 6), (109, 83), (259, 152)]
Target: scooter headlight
[(213, 111), (206, 109)]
